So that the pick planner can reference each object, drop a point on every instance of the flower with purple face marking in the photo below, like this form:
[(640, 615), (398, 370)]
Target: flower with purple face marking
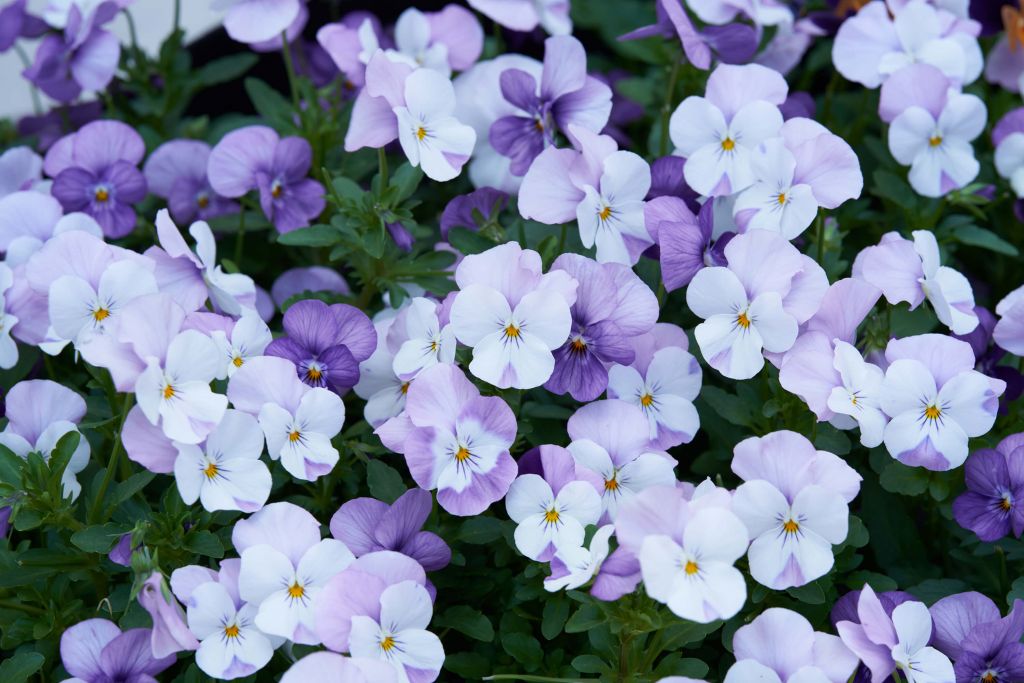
[(454, 440), (430, 135), (993, 504), (733, 43), (442, 41), (231, 645), (526, 15), (256, 158), (984, 646), (170, 633), (94, 170), (176, 171), (96, 651)]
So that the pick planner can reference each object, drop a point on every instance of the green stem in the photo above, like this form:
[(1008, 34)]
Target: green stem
[(561, 240), (535, 679), (134, 36), (382, 162), (37, 105), (666, 109), (21, 607), (290, 68), (115, 452), (820, 232), (896, 676), (240, 238), (177, 15)]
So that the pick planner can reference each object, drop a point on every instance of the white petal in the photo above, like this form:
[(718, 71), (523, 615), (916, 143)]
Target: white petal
[(760, 506), (528, 495), (321, 411), (969, 400), (696, 123), (544, 317), (188, 472), (777, 328), (908, 386), (478, 311), (264, 571), (322, 561), (405, 605), (579, 500), (715, 291)]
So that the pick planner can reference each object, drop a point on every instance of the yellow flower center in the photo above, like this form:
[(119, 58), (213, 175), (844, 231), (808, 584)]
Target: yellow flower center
[(405, 387), (728, 144), (101, 194), (932, 412), (551, 516), (935, 140), (210, 470), (742, 320), (511, 331), (611, 484), (781, 198), (313, 373), (646, 400), (388, 643), (294, 436), (295, 591), (577, 345), (989, 677), (421, 133), (791, 526), (462, 454), (276, 190), (237, 361), (1013, 23), (691, 568), (1006, 503), (168, 392), (203, 201), (538, 125), (231, 631), (604, 213), (100, 314)]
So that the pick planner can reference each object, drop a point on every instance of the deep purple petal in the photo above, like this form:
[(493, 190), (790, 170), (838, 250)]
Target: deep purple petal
[(404, 519), (72, 188), (518, 138), (355, 331), (340, 369), (355, 522), (520, 89), (311, 323), (429, 550)]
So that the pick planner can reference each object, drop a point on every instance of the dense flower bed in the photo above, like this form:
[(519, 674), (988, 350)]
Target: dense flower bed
[(691, 354)]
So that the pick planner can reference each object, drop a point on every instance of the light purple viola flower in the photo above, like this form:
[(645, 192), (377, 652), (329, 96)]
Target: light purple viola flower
[(936, 400), (94, 171), (612, 306), (717, 133), (16, 22), (911, 271), (368, 525), (451, 39), (170, 634), (255, 158), (733, 43), (931, 128), (20, 169), (326, 343), (428, 131), (885, 643), (807, 167), (8, 347), (460, 212), (565, 95), (96, 651), (761, 12), (82, 59), (1009, 331), (984, 645), (293, 33), (795, 503), (610, 439), (686, 242), (454, 440), (574, 566), (789, 44), (238, 341), (176, 171), (256, 21), (379, 385), (330, 667), (526, 15), (993, 504), (1004, 63), (309, 279), (876, 43), (350, 43), (1008, 139), (762, 656), (419, 339)]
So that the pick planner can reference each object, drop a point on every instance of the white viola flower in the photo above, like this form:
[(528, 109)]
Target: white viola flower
[(177, 394), (249, 338), (778, 203), (382, 389), (574, 566), (78, 312), (8, 347), (413, 44), (428, 131), (231, 646), (937, 144), (228, 473), (302, 440), (665, 393), (426, 342), (1010, 161), (860, 393), (614, 210), (697, 580), (400, 636), (625, 480), (918, 662), (229, 292), (549, 521), (284, 591), (44, 445), (947, 290)]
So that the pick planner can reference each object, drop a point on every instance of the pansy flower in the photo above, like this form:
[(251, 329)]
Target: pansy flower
[(993, 504)]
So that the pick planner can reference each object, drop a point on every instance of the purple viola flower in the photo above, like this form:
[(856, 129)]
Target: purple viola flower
[(255, 158), (686, 242), (989, 354), (461, 211), (5, 520), (312, 279), (96, 651), (566, 95), (732, 43), (83, 58), (326, 343), (367, 525), (50, 127), (170, 634), (176, 171), (16, 22), (122, 551), (993, 504), (95, 172), (984, 646), (612, 306)]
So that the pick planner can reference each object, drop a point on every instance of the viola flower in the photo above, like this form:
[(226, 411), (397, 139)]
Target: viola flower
[(170, 634), (383, 390), (733, 43), (16, 23), (565, 96), (910, 271), (39, 413), (20, 169), (368, 525), (256, 158), (859, 397), (326, 343), (285, 566), (428, 131), (257, 21), (717, 133), (1008, 139), (231, 645), (454, 440), (552, 511), (227, 473), (94, 171), (761, 12), (441, 41), (663, 380), (574, 566), (993, 504), (601, 187), (298, 422), (350, 43), (969, 630), (463, 210), (794, 502), (96, 651), (686, 242), (612, 306), (526, 15), (422, 341), (29, 219), (8, 347), (804, 654), (805, 168), (875, 43), (245, 339), (610, 444), (176, 171), (334, 667), (307, 279), (886, 643), (936, 400), (511, 315), (1009, 331)]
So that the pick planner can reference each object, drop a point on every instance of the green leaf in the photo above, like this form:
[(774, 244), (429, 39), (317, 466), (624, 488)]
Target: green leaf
[(311, 236), (346, 188), (590, 664), (480, 530), (976, 236), (524, 648), (930, 591), (225, 69), (98, 539), (60, 456), (384, 481), (676, 665), (1016, 591), (406, 179), (468, 665), (556, 611), (909, 481), (269, 103), (132, 485), (810, 593), (205, 543), (18, 668), (894, 188), (10, 467), (584, 619), (728, 406), (468, 242), (468, 621), (832, 440)]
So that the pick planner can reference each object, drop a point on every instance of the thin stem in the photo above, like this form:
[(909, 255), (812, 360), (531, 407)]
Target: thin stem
[(382, 162), (115, 452), (21, 607), (37, 105), (177, 15), (561, 240), (290, 68), (240, 238), (896, 676), (134, 36), (666, 110), (820, 232)]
